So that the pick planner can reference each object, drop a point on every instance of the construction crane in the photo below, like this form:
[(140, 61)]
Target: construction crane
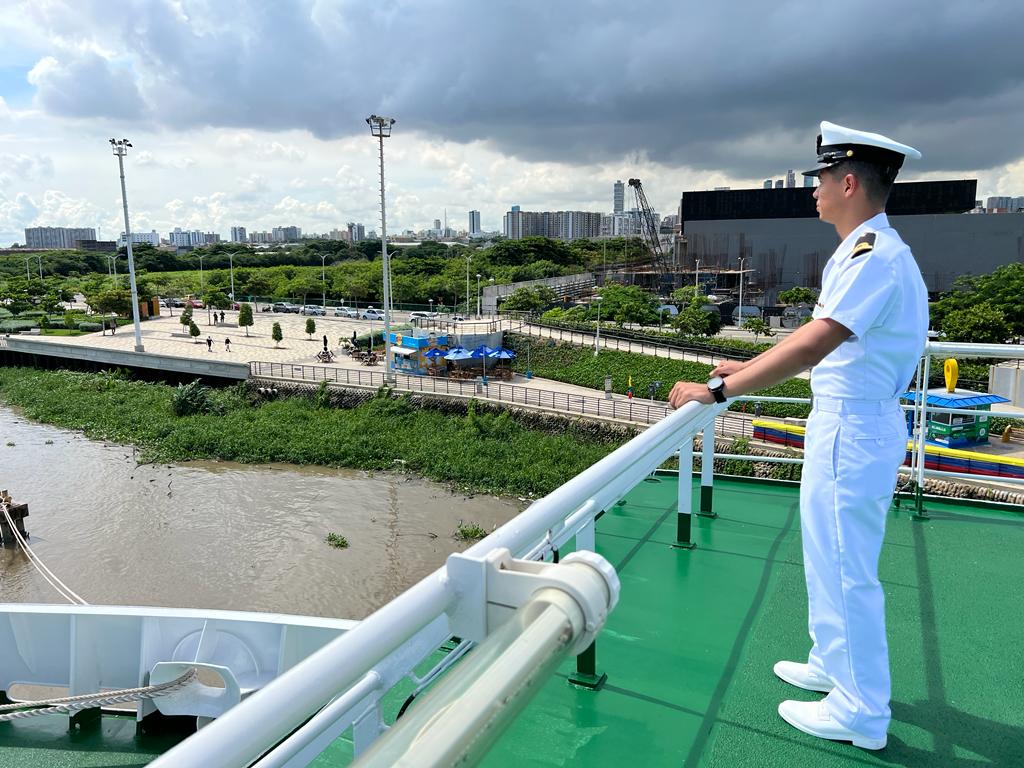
[(649, 230)]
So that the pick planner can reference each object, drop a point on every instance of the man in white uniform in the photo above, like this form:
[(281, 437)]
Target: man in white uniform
[(863, 343)]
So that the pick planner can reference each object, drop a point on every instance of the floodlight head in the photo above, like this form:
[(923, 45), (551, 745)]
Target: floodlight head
[(113, 141), (380, 126)]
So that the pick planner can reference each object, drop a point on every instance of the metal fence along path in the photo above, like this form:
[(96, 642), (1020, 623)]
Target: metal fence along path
[(641, 412)]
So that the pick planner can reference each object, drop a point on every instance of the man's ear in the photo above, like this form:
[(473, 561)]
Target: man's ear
[(850, 185)]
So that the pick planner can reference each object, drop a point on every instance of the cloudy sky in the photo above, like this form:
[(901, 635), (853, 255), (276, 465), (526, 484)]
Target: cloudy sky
[(251, 112)]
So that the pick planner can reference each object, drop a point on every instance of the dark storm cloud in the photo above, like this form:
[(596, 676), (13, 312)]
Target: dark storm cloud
[(736, 86)]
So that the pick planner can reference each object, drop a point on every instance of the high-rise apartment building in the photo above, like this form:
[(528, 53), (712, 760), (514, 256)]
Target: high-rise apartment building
[(238, 235), (767, 184), (286, 234), (559, 225), (474, 223), (57, 237), (790, 178), (152, 238), (618, 197), (356, 232), (779, 183), (808, 181)]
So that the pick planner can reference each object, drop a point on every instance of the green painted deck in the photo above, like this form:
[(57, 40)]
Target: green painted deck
[(689, 650)]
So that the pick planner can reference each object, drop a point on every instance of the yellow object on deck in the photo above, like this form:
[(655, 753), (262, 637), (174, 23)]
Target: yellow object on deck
[(952, 371)]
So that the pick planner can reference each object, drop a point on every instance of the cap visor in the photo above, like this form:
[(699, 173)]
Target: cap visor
[(814, 171)]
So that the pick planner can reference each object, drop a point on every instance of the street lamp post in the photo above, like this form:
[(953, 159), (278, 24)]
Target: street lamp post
[(28, 272), (597, 337), (741, 290), (323, 280), (120, 147), (202, 281), (696, 276), (40, 257), (381, 128), (468, 259), (478, 295), (231, 268)]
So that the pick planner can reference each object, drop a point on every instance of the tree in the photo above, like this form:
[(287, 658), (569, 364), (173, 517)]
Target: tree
[(798, 295), (530, 299), (245, 319), (185, 318), (980, 324), (193, 331), (111, 300), (1000, 290), (758, 327), (626, 304), (695, 320), (216, 299), (275, 334), (310, 327)]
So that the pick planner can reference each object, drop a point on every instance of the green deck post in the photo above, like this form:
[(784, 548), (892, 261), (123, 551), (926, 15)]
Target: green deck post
[(684, 504), (586, 675), (707, 472)]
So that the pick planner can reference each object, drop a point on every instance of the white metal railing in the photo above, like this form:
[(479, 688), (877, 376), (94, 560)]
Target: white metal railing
[(254, 727), (340, 686)]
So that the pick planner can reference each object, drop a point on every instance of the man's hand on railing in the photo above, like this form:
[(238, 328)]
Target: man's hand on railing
[(687, 391), (728, 367)]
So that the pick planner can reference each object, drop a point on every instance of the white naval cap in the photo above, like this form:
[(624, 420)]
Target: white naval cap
[(837, 144)]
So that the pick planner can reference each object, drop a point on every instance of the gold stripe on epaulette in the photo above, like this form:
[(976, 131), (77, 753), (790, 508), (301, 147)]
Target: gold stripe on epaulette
[(862, 248)]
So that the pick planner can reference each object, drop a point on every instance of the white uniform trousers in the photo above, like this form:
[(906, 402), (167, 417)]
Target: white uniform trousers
[(853, 449)]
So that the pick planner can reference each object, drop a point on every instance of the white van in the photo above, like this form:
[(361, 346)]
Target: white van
[(747, 313)]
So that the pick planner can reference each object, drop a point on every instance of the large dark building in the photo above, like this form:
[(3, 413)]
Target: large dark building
[(783, 243)]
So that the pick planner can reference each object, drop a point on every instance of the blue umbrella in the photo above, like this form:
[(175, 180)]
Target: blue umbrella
[(482, 351), (434, 352), (458, 353), (503, 354)]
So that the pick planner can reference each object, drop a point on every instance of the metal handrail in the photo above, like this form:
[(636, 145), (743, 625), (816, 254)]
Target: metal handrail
[(253, 727)]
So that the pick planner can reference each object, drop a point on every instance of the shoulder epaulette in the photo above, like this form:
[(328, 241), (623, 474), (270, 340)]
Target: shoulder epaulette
[(864, 244)]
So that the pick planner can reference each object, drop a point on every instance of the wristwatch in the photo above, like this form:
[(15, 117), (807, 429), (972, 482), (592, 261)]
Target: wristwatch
[(716, 386)]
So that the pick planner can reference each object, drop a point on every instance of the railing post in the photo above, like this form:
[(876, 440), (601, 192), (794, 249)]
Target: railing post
[(684, 504), (707, 471), (920, 512)]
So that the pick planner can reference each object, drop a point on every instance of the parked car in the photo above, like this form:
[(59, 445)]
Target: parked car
[(371, 314), (422, 315), (284, 306), (195, 304), (312, 309), (793, 317), (458, 317), (342, 311), (175, 303)]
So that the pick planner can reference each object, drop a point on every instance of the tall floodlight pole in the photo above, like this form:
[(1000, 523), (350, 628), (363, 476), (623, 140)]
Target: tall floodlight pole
[(40, 257), (468, 259), (28, 272), (231, 268), (597, 336), (478, 276), (323, 281), (741, 290), (120, 147), (696, 276), (381, 128)]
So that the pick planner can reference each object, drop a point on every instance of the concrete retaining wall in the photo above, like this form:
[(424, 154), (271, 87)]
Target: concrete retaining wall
[(121, 358)]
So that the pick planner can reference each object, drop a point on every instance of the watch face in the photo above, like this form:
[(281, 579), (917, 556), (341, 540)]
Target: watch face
[(715, 382)]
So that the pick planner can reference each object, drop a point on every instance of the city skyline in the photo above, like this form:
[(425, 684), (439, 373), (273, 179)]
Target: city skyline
[(258, 136)]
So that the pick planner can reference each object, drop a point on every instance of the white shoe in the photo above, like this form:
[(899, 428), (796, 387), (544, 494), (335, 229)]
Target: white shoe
[(813, 717), (800, 675)]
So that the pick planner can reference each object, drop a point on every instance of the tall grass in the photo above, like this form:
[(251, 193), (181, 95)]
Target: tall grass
[(479, 453)]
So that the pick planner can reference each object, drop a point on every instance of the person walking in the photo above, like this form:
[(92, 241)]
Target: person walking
[(209, 344), (227, 344), (222, 316), (867, 332)]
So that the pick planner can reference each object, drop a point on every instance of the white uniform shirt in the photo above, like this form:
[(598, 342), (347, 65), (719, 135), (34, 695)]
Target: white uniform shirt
[(880, 297)]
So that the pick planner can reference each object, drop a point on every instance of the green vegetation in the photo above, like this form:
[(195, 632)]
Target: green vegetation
[(798, 295), (975, 300), (190, 399), (578, 365), (245, 318), (310, 327), (480, 452), (276, 334), (469, 532), (337, 541)]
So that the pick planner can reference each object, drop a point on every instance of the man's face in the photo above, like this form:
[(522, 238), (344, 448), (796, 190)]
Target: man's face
[(830, 195)]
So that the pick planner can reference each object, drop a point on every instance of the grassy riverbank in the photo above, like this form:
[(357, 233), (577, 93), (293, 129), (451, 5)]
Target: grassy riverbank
[(482, 453), (577, 365)]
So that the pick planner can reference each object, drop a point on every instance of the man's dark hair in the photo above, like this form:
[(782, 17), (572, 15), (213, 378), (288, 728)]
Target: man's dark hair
[(877, 180)]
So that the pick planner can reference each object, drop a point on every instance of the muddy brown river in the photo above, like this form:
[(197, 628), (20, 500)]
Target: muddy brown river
[(221, 535)]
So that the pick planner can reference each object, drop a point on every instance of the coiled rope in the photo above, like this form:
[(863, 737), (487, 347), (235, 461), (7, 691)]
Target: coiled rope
[(63, 589), (94, 700)]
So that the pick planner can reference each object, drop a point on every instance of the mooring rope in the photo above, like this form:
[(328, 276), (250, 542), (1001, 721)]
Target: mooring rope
[(65, 591), (94, 700)]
